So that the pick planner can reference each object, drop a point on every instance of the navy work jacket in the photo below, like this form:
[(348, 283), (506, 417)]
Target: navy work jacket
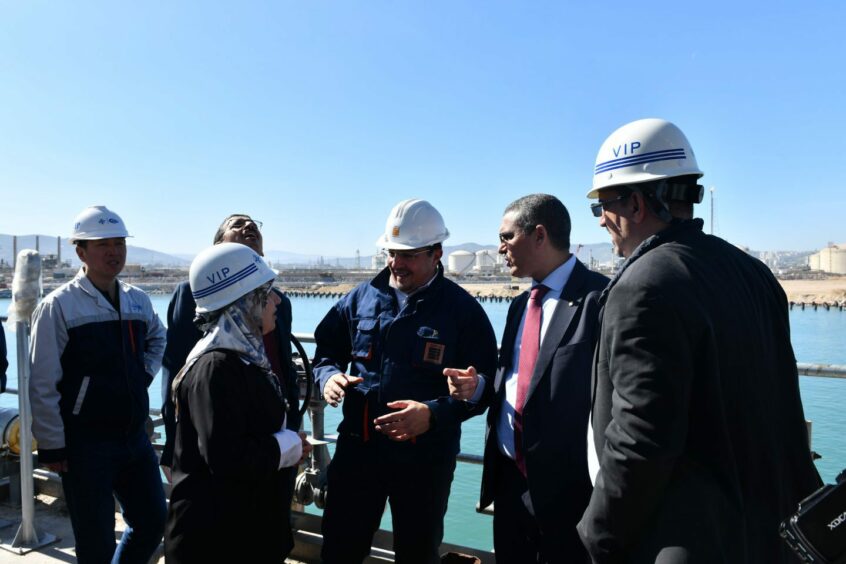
[(401, 356)]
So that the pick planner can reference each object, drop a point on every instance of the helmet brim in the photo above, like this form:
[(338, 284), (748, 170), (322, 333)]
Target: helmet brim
[(636, 178)]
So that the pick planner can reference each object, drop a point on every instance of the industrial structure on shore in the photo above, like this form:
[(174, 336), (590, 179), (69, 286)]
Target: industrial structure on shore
[(831, 259)]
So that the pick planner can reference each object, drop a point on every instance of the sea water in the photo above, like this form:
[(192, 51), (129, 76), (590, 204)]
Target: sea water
[(817, 338)]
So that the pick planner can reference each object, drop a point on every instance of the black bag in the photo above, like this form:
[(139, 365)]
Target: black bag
[(817, 531)]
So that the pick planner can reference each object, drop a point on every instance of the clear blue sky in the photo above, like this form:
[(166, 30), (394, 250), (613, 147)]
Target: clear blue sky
[(317, 116)]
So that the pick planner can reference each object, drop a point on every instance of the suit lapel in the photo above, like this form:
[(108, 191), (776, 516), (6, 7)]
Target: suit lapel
[(562, 317), (593, 371)]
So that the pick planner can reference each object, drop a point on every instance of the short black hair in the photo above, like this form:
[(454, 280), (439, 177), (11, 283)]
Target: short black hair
[(218, 237), (543, 209)]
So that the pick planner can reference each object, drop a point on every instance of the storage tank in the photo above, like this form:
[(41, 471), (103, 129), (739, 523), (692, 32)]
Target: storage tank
[(838, 259), (825, 259), (460, 262), (485, 261), (499, 262), (379, 261), (814, 261)]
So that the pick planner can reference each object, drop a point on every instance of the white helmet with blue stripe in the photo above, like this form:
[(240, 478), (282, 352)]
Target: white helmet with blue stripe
[(223, 273), (643, 151)]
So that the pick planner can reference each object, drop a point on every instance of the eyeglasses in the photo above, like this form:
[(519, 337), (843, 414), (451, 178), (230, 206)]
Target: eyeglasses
[(264, 292), (407, 255), (506, 236), (599, 207), (242, 222)]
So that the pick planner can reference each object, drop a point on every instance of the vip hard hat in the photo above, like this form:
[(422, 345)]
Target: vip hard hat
[(413, 224), (97, 222), (642, 151), (223, 273)]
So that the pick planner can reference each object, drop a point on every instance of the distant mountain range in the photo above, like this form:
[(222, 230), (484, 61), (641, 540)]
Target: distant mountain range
[(306, 260), (596, 253), (47, 245)]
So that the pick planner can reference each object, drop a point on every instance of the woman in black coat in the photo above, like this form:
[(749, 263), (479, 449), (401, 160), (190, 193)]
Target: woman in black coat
[(229, 493)]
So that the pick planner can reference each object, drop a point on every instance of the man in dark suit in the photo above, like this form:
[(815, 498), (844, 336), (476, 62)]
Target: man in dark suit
[(535, 465), (697, 423)]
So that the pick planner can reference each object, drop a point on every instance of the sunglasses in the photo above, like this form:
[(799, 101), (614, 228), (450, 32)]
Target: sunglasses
[(599, 207)]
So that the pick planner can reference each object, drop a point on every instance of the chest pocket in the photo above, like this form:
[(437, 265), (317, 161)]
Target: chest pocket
[(431, 350), (364, 339)]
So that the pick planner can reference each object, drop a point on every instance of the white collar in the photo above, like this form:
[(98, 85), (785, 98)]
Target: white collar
[(557, 279)]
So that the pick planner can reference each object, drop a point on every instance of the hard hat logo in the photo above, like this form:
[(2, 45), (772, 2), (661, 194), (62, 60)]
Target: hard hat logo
[(413, 224), (218, 275), (627, 148)]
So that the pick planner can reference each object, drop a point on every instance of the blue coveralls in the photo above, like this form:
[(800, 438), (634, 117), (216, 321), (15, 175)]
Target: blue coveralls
[(401, 356)]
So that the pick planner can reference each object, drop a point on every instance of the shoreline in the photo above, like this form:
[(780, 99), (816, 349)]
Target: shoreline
[(827, 290), (807, 291), (821, 291)]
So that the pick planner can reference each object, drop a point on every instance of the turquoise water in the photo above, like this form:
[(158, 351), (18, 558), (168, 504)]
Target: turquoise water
[(817, 338)]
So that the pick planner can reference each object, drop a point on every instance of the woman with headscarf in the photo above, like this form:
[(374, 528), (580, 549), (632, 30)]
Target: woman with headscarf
[(229, 496)]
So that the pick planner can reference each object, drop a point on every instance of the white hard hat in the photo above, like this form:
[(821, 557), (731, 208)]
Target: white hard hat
[(642, 151), (223, 273), (413, 224), (97, 222)]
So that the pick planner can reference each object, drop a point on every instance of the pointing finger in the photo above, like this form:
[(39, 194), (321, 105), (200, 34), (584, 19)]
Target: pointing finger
[(349, 380)]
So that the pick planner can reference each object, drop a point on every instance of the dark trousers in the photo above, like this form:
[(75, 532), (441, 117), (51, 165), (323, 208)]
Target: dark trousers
[(361, 479), (518, 538), (127, 469)]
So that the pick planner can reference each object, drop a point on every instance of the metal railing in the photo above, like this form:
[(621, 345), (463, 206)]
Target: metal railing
[(316, 413), (821, 370)]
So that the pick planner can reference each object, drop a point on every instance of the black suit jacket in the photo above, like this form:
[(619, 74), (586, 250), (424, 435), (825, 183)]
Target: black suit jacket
[(697, 415), (557, 406)]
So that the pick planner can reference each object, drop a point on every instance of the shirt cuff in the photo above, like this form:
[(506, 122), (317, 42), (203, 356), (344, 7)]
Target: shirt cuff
[(324, 378), (480, 389), (290, 447)]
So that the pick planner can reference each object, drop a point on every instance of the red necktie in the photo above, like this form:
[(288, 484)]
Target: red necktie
[(529, 346)]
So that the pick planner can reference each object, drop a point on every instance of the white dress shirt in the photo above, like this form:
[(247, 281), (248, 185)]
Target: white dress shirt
[(555, 281)]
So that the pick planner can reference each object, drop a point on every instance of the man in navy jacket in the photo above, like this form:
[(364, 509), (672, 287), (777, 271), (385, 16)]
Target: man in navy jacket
[(382, 350)]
